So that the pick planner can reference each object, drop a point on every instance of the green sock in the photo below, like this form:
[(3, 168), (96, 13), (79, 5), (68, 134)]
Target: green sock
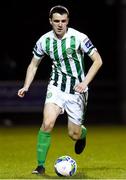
[(84, 132), (43, 144)]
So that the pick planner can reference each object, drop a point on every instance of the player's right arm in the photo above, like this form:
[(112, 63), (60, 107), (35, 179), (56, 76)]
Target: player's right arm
[(30, 74)]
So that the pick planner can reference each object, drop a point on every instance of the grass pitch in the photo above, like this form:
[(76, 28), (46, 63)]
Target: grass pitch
[(103, 158)]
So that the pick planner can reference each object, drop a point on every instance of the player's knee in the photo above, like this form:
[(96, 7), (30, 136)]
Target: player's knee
[(74, 135), (47, 126)]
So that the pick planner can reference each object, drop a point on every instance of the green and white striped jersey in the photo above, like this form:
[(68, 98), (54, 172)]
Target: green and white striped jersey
[(67, 56)]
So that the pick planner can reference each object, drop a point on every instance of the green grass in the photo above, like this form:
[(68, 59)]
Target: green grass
[(104, 156)]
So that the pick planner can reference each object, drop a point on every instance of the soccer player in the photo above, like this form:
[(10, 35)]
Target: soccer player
[(68, 85)]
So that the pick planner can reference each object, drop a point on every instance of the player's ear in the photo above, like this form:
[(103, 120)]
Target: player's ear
[(50, 21), (67, 21)]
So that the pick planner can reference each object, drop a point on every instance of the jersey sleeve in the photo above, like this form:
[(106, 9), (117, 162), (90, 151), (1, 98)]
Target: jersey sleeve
[(87, 45), (38, 51)]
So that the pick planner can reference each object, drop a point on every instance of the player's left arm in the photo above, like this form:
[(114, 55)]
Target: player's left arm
[(97, 63)]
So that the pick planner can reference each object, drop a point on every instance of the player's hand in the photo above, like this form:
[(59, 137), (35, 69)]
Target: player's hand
[(22, 91), (80, 87)]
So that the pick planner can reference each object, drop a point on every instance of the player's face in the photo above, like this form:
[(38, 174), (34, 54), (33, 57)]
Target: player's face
[(59, 24)]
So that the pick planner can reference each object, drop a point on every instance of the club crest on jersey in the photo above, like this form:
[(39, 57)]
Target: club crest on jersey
[(88, 44), (69, 51)]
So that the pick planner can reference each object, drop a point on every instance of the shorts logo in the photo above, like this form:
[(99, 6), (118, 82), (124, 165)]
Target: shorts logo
[(49, 94)]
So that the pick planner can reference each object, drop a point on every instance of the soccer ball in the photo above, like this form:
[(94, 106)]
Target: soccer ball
[(65, 166)]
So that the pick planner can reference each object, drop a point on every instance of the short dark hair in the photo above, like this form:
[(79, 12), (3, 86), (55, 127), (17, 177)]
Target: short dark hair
[(58, 9)]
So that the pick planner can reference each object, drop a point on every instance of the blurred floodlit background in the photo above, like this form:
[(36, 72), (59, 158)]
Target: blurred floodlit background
[(23, 22)]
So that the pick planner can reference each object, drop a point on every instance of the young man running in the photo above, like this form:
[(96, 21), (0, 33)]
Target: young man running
[(68, 85)]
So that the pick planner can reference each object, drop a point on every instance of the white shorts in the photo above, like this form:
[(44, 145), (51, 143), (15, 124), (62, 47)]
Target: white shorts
[(73, 104)]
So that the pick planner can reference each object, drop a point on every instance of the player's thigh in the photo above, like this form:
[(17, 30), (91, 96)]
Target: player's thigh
[(51, 112), (75, 110)]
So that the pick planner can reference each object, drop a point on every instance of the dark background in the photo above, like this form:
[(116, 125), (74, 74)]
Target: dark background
[(23, 22)]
